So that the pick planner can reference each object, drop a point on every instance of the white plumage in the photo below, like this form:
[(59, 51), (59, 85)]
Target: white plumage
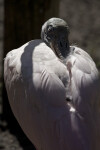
[(55, 101)]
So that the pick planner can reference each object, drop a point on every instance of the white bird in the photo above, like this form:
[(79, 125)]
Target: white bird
[(53, 91)]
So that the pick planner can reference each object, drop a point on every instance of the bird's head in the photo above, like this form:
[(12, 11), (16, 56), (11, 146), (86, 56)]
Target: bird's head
[(55, 34)]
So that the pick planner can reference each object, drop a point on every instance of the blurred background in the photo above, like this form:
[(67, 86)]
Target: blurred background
[(21, 21)]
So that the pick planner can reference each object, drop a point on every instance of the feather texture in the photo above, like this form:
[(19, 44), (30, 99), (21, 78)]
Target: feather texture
[(37, 83)]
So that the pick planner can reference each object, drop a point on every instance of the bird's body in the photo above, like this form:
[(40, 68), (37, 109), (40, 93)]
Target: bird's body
[(55, 101)]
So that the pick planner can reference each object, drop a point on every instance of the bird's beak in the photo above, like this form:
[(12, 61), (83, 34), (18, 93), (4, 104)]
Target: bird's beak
[(60, 48), (55, 49)]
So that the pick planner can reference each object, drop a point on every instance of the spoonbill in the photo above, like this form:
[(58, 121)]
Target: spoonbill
[(53, 90)]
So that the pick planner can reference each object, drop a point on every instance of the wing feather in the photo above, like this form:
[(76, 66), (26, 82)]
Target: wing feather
[(37, 96)]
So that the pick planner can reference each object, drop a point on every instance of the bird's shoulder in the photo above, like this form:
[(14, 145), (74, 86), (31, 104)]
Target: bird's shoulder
[(21, 60), (80, 61), (84, 78), (36, 65), (25, 71), (32, 59)]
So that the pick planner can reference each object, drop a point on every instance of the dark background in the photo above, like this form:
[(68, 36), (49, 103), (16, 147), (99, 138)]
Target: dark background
[(22, 21)]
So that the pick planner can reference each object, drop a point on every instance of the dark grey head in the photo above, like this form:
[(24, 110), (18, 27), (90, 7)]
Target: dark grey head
[(55, 34)]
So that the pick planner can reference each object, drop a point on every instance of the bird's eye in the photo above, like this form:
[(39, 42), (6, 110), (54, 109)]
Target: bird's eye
[(50, 28)]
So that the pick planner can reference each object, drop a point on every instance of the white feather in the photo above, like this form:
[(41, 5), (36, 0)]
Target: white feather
[(35, 81)]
